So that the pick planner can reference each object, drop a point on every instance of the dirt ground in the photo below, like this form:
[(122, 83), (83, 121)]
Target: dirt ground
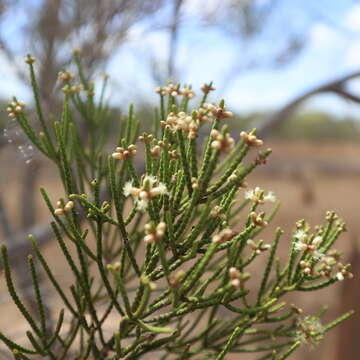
[(308, 178)]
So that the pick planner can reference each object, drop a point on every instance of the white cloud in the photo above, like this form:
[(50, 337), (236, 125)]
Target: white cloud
[(352, 18), (352, 56), (321, 35), (196, 7), (240, 99), (351, 21), (354, 86), (11, 84)]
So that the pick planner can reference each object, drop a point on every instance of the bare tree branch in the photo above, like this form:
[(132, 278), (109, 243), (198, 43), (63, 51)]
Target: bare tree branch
[(173, 38), (337, 86)]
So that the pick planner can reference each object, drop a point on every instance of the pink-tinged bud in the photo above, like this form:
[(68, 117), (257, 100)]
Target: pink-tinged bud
[(234, 272), (69, 206), (117, 156), (59, 212), (160, 233), (161, 226), (149, 239), (236, 283), (214, 133), (148, 228), (216, 145)]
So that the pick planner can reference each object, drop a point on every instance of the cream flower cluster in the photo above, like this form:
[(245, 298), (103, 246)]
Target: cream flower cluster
[(149, 189), (190, 123), (331, 262), (310, 330), (257, 196), (221, 142), (14, 108), (65, 76), (174, 90), (223, 236), (122, 154), (304, 243), (258, 219), (258, 247), (74, 89), (324, 264), (202, 114), (182, 121), (217, 111), (343, 272), (188, 92), (250, 139), (154, 234), (237, 278), (62, 209)]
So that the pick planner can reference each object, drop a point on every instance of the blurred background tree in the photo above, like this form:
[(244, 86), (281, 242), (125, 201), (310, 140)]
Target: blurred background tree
[(100, 28), (53, 28)]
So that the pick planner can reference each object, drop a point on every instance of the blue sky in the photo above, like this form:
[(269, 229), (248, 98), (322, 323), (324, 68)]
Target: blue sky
[(333, 49), (332, 29)]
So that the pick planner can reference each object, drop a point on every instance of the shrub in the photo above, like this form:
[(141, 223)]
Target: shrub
[(166, 254)]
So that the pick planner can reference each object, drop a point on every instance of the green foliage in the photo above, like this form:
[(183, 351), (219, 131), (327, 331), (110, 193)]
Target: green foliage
[(316, 125), (165, 254), (308, 125)]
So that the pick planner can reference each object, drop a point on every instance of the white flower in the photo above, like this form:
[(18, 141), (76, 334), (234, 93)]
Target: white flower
[(340, 276), (303, 245), (256, 196), (318, 255), (142, 205), (300, 246), (301, 235), (146, 191), (159, 190), (317, 241), (310, 330), (343, 272), (253, 194), (128, 188), (270, 197)]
